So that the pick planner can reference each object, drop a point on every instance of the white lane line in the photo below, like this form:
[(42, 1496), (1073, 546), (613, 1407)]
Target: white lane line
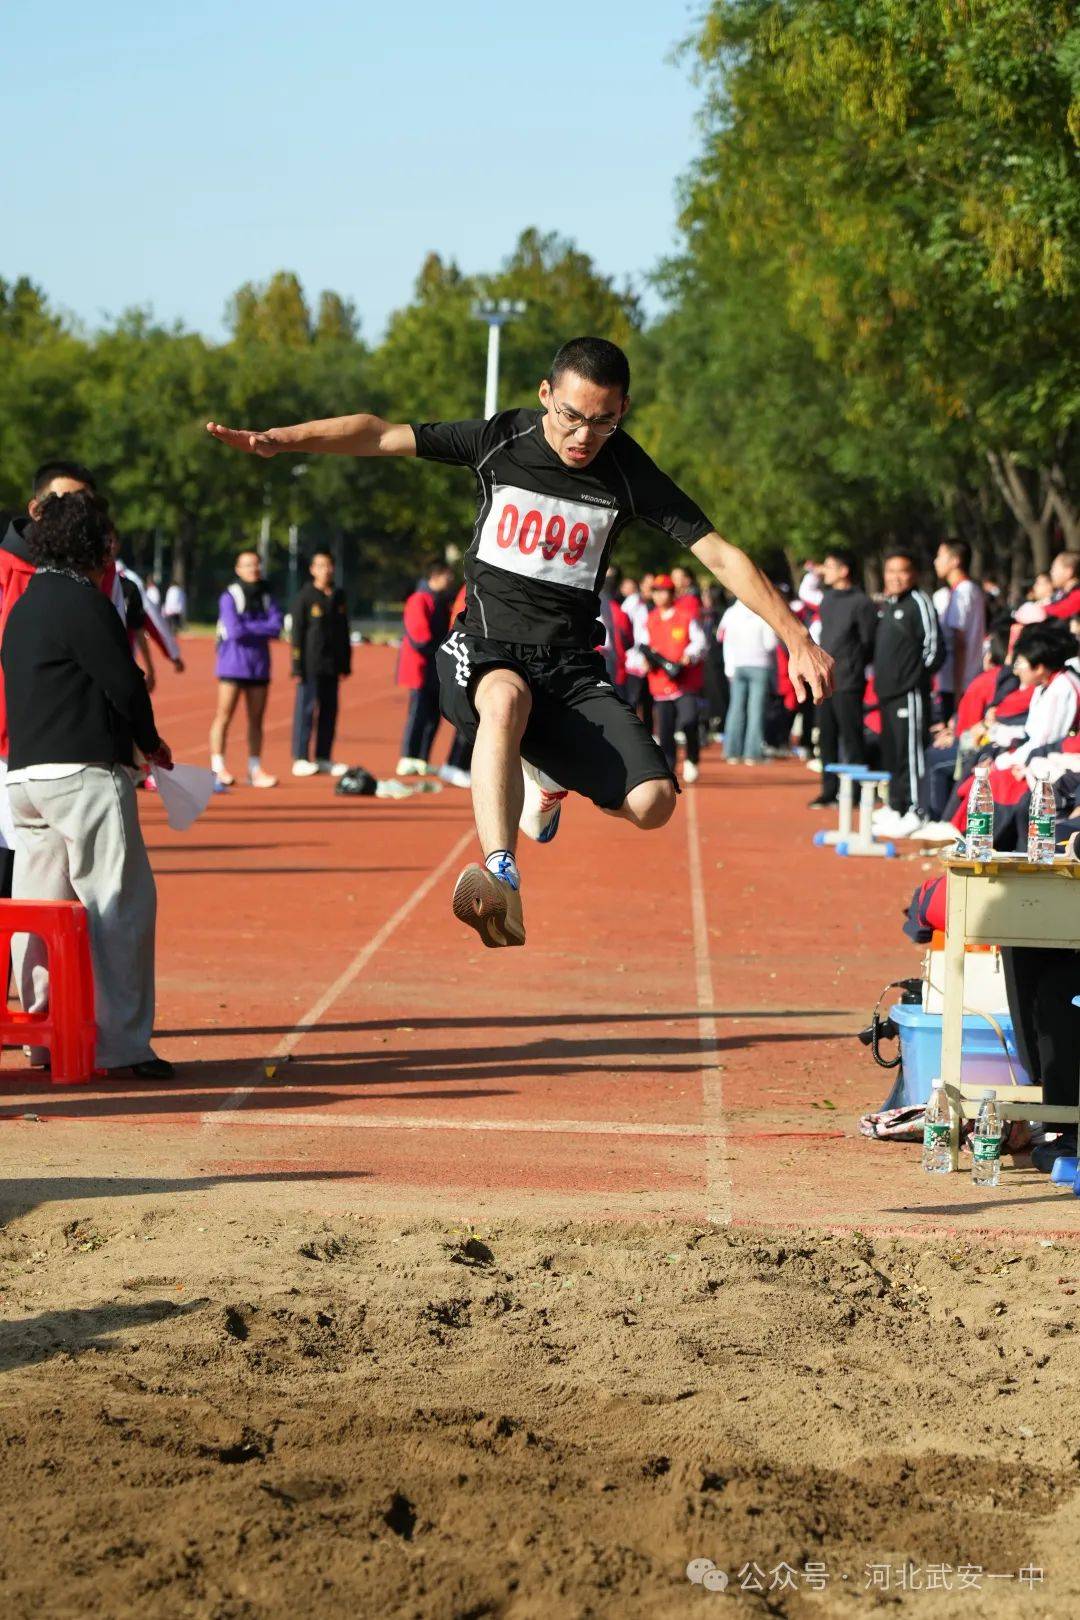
[(419, 1122), (352, 972), (717, 1178)]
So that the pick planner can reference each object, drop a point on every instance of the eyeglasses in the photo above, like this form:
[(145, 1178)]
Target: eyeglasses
[(602, 426)]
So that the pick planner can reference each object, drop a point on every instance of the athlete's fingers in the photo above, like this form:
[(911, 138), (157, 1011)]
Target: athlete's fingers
[(260, 444)]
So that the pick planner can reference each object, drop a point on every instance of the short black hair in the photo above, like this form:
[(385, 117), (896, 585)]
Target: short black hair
[(246, 551), (437, 565), (959, 551), (320, 551), (62, 469), (595, 359), (904, 555), (997, 642), (71, 531), (1045, 644), (845, 557)]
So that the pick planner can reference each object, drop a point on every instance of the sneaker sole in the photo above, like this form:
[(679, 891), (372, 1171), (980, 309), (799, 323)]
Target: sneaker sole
[(551, 829), (480, 903)]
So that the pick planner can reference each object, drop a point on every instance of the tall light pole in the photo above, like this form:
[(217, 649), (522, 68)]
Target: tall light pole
[(497, 312)]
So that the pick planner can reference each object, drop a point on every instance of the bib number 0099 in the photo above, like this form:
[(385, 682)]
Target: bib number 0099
[(529, 533)]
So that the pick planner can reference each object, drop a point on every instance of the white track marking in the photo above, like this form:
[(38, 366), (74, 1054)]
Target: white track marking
[(717, 1179), (352, 972), (419, 1122)]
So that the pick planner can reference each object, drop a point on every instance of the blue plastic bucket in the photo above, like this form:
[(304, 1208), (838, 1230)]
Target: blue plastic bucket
[(983, 1062)]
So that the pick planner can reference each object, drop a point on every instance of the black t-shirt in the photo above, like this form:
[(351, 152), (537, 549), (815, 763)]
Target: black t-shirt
[(544, 531)]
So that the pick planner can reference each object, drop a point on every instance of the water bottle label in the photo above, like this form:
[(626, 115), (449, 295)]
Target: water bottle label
[(979, 825), (1044, 826), (935, 1133), (987, 1147)]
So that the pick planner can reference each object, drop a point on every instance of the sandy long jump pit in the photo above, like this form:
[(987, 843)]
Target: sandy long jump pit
[(279, 1416)]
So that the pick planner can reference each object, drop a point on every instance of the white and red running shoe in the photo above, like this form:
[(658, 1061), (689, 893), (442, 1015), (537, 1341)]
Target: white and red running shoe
[(543, 804)]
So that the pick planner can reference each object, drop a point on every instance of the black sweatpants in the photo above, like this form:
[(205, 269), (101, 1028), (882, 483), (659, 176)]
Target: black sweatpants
[(840, 736), (421, 723), (320, 693), (1041, 985), (905, 736), (677, 714)]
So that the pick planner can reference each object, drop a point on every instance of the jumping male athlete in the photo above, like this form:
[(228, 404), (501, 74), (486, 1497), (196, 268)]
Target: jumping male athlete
[(519, 673)]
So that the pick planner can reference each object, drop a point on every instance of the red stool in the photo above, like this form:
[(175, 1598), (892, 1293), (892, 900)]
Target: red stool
[(67, 1028)]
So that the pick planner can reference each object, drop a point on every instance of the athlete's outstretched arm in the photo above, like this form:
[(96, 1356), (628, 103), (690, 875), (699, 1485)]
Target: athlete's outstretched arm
[(810, 668), (336, 436)]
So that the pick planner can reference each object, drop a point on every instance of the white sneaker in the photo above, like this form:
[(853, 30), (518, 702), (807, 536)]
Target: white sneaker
[(411, 767), (543, 804), (690, 771), (392, 789), (454, 776), (905, 826), (327, 767), (304, 767), (936, 832)]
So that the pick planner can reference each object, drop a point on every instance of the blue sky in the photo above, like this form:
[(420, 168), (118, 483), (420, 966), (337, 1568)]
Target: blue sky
[(164, 159)]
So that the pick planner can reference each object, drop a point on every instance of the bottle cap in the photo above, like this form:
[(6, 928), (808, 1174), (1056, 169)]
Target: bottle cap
[(991, 1094), (936, 1085)]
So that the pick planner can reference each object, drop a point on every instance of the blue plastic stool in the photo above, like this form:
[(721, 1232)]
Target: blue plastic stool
[(848, 775), (863, 842)]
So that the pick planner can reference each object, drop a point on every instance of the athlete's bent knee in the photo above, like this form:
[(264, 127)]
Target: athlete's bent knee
[(503, 701), (651, 804)]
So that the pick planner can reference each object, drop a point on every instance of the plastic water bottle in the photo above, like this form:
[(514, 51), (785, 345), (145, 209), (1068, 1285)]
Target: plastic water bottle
[(936, 1153), (979, 829), (1042, 817), (986, 1170)]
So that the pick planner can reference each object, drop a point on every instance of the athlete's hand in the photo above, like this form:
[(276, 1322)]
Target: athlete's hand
[(256, 444), (810, 669), (161, 758)]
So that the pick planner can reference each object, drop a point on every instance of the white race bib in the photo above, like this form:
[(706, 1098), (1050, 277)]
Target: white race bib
[(545, 537)]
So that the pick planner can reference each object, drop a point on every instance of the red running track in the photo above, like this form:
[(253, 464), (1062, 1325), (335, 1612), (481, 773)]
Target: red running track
[(675, 1040)]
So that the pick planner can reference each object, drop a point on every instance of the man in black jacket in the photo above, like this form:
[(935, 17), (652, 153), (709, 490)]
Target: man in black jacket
[(848, 626), (321, 655), (77, 709), (908, 648)]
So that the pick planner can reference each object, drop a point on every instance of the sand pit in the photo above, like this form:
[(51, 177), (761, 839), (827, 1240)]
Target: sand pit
[(274, 1416)]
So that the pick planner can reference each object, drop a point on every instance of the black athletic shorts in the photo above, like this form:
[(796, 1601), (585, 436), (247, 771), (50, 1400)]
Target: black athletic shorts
[(580, 732)]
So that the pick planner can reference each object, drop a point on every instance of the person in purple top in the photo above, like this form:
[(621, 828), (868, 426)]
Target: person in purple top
[(248, 621)]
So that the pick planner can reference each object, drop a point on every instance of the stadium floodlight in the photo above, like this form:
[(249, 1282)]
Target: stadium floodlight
[(496, 312)]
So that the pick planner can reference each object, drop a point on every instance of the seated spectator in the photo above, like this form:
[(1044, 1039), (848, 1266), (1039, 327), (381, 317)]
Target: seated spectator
[(77, 709), (1040, 662), (1064, 599)]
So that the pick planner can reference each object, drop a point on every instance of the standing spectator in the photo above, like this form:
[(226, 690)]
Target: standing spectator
[(78, 706), (426, 623), (907, 651), (674, 647), (687, 590), (321, 656), (248, 621), (811, 585), (713, 603), (153, 592), (618, 632), (963, 624), (749, 661), (848, 625), (175, 607)]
